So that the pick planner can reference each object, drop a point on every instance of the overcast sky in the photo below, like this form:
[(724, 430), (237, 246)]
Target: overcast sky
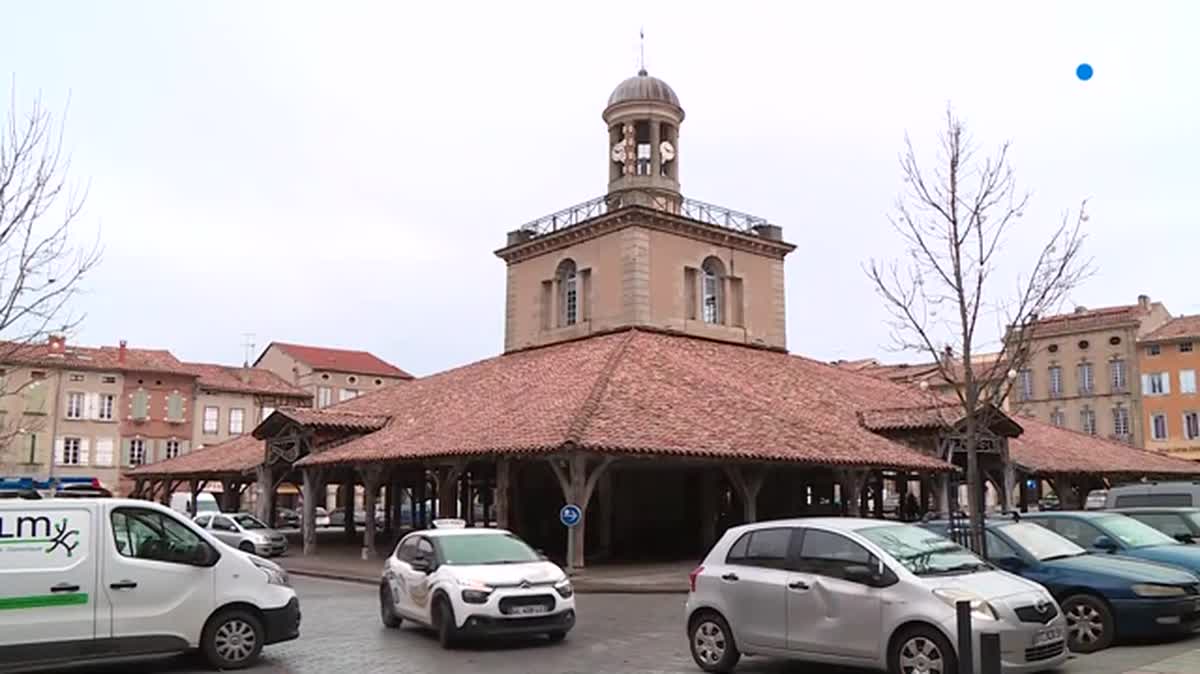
[(341, 173)]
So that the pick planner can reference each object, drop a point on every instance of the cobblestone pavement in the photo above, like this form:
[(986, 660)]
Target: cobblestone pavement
[(341, 634)]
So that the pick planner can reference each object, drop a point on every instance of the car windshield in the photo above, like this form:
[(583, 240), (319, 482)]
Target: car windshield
[(1133, 533), (249, 522), (1040, 542), (923, 552), (466, 549)]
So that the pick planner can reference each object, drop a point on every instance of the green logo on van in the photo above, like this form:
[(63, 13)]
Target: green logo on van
[(34, 530)]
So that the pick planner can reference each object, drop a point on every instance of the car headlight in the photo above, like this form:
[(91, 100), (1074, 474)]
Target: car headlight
[(979, 607), (276, 575), (475, 592), (564, 589), (1151, 590)]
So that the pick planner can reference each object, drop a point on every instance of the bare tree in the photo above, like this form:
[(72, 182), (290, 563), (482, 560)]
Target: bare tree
[(42, 265), (954, 219)]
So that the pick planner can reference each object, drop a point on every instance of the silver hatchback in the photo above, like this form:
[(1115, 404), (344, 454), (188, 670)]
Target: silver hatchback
[(865, 593), (244, 532)]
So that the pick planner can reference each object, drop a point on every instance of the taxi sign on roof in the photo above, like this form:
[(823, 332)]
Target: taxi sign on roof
[(449, 523)]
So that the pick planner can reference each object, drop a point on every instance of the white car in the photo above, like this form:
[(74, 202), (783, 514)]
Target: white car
[(465, 582), (864, 593)]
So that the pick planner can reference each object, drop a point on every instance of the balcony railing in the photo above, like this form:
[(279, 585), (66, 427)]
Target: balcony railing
[(700, 211)]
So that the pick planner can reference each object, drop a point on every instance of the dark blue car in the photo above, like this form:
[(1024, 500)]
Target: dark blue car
[(1118, 534), (1102, 596)]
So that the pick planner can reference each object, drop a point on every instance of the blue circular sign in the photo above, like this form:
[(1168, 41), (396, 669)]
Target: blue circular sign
[(1084, 72), (570, 515)]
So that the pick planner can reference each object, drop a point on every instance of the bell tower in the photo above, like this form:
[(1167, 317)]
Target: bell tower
[(643, 117)]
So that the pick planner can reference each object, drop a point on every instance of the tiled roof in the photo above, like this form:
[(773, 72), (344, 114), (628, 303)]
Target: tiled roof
[(244, 380), (1176, 328), (107, 358), (1089, 319), (909, 418), (915, 373), (1046, 449), (341, 360), (333, 419), (235, 456), (636, 392)]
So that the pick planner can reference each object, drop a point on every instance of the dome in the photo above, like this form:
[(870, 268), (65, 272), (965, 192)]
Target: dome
[(643, 87)]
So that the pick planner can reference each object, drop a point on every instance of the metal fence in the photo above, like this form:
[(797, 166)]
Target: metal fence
[(700, 211)]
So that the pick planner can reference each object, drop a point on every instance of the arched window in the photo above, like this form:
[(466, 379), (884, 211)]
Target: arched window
[(568, 292), (712, 303)]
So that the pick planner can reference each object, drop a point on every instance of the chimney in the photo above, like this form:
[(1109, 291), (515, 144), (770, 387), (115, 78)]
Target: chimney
[(122, 352), (58, 343), (1081, 309), (244, 374), (1144, 302), (948, 356)]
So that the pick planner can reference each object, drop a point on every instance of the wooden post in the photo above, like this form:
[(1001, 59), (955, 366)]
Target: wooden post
[(372, 475), (577, 486), (748, 481), (503, 475), (265, 481), (1010, 482), (466, 505), (877, 495), (347, 504), (447, 479), (943, 494), (194, 490), (389, 504), (708, 507), (420, 515), (310, 490)]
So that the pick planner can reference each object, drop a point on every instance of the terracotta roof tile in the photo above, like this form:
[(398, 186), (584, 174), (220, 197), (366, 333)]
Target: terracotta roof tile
[(1046, 449), (107, 358), (1176, 328), (637, 392), (341, 360), (238, 455), (244, 380), (1089, 319), (336, 419)]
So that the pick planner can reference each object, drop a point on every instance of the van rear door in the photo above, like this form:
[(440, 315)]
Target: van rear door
[(48, 577)]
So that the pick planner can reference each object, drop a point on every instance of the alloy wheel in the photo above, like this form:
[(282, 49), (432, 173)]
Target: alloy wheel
[(1084, 624), (920, 655), (709, 643)]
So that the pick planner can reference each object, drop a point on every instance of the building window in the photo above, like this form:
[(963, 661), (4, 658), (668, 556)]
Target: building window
[(1158, 426), (1056, 383), (1116, 372), (1083, 344), (351, 379), (1153, 350), (108, 379), (568, 293), (379, 382), (237, 419), (711, 301), (1185, 347), (137, 452), (324, 396), (1087, 381), (1187, 381), (172, 449), (347, 394), (1087, 420), (1025, 384), (74, 405), (75, 376), (325, 376), (1053, 348), (1156, 384), (1114, 340), (70, 452), (1057, 418), (212, 419), (1191, 425), (105, 410), (1121, 422)]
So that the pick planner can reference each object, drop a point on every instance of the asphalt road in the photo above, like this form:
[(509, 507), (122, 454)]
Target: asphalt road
[(341, 632)]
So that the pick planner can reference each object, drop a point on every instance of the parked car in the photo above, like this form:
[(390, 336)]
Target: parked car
[(337, 518), (244, 532), (1118, 534), (1179, 494), (123, 577), (287, 518), (1104, 597), (181, 502), (861, 592), (322, 517), (1182, 524), (1096, 500), (474, 582)]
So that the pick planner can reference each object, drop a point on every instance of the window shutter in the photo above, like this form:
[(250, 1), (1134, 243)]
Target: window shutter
[(58, 451), (104, 452), (35, 398), (175, 407), (83, 451), (91, 406), (1145, 384), (141, 404), (1166, 379), (125, 445), (1187, 381)]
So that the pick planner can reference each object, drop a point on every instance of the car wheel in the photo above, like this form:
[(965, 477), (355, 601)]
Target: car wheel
[(922, 650), (557, 637), (711, 643), (232, 639), (387, 608), (246, 546), (443, 622), (1089, 623)]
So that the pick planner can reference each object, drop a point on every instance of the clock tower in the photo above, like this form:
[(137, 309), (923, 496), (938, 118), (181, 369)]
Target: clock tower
[(643, 117)]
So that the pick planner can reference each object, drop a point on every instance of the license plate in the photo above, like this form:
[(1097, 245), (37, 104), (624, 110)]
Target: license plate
[(528, 610), (1047, 636)]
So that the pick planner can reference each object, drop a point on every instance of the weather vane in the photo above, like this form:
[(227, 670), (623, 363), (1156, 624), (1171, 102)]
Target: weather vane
[(642, 51)]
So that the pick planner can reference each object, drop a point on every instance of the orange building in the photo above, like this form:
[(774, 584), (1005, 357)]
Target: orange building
[(1169, 358)]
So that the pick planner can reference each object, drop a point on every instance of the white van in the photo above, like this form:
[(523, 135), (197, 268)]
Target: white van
[(97, 579), (205, 503), (1179, 494)]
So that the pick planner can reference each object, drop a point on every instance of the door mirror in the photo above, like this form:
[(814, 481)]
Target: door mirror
[(860, 573), (1105, 543), (1185, 538), (421, 565), (1012, 564)]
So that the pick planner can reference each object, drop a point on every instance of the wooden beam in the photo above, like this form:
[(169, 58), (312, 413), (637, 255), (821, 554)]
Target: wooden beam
[(313, 486), (503, 477)]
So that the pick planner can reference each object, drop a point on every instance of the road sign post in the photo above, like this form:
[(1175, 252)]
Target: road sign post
[(570, 516)]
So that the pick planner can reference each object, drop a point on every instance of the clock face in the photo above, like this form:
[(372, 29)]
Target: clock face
[(618, 153), (667, 150)]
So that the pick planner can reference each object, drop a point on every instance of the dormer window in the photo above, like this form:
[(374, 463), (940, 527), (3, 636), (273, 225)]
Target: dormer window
[(711, 302), (568, 288)]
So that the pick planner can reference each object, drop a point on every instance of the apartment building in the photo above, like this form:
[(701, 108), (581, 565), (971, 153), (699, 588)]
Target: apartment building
[(1083, 373), (1169, 358), (929, 375), (231, 401), (329, 375)]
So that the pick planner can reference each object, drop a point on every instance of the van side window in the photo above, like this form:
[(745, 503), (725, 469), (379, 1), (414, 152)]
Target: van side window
[(1154, 501), (148, 534), (762, 547)]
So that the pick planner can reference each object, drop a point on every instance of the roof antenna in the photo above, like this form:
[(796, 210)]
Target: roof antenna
[(248, 345), (642, 52)]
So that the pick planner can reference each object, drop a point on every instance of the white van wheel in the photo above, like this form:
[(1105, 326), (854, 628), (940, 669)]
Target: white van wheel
[(233, 639)]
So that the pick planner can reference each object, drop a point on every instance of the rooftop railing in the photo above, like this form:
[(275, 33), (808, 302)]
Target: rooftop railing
[(700, 211)]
